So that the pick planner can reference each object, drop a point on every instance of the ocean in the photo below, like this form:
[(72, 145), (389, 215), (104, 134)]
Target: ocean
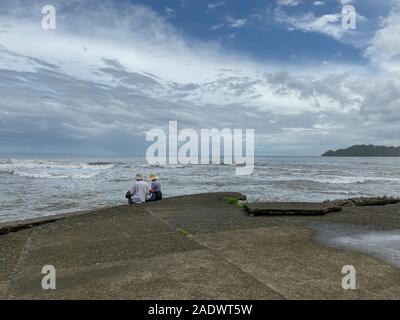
[(39, 186)]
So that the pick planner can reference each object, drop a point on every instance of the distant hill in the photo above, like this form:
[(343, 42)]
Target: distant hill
[(364, 151)]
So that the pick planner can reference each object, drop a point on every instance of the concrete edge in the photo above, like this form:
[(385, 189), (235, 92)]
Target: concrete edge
[(18, 225)]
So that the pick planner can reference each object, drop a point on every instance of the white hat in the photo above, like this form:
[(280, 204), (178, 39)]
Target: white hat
[(139, 177)]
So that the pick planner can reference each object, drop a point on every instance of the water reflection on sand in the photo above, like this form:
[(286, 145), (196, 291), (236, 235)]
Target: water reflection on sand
[(381, 244)]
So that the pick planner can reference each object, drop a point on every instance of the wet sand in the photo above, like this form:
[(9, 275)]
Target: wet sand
[(200, 247)]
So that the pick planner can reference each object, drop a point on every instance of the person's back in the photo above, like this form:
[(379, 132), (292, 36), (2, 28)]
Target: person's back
[(140, 191), (156, 189)]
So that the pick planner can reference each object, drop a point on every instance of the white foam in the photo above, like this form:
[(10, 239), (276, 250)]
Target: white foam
[(43, 169), (47, 175), (335, 179)]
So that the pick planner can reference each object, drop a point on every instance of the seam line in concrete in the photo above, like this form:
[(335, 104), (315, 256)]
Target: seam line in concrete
[(107, 239), (193, 237), (23, 254)]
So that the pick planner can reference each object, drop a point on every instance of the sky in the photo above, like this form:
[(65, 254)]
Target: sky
[(113, 70)]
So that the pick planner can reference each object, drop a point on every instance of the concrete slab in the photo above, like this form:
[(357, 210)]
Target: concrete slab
[(129, 222), (290, 208), (378, 217), (197, 274), (136, 252), (12, 250), (285, 260)]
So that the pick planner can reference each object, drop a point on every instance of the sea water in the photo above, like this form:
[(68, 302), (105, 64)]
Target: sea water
[(381, 244), (38, 186)]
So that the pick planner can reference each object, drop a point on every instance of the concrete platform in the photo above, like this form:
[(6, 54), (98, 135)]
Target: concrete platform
[(290, 208), (140, 252)]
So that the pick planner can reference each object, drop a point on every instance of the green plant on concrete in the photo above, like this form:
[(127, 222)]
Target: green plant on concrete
[(183, 232), (232, 200), (235, 201)]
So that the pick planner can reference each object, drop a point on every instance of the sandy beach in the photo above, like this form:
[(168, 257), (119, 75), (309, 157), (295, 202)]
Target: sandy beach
[(201, 247)]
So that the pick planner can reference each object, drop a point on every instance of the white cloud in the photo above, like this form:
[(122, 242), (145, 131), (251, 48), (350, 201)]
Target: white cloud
[(237, 23), (138, 72), (345, 2), (384, 48), (318, 3), (328, 24), (169, 11), (212, 6), (288, 3), (217, 26)]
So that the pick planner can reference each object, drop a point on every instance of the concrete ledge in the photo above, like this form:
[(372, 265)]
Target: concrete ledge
[(290, 208), (364, 201), (19, 225)]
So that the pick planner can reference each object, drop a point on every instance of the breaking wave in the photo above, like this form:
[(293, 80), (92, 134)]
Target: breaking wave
[(42, 169), (338, 179)]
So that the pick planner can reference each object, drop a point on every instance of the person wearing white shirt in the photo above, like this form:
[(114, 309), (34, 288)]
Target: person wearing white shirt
[(139, 192)]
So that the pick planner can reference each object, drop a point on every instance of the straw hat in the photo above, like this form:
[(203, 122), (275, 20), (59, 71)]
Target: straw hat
[(153, 177), (139, 177)]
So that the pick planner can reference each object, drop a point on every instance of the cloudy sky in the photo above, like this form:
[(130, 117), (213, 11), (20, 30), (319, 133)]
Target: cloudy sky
[(112, 70)]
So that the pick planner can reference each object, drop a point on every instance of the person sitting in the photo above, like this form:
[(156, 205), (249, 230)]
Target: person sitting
[(139, 192), (155, 189)]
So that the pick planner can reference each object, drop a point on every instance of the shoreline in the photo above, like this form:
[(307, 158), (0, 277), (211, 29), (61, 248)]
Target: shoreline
[(15, 225), (196, 247)]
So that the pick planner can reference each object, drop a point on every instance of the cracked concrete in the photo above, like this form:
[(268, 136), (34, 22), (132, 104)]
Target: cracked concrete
[(136, 252)]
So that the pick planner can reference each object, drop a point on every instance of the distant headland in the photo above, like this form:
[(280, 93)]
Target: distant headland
[(364, 151)]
